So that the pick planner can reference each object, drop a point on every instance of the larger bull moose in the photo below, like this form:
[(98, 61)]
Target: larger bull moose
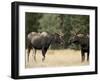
[(83, 41), (42, 41)]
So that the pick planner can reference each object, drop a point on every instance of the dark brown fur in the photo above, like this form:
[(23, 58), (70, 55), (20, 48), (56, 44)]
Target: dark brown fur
[(41, 41), (83, 40)]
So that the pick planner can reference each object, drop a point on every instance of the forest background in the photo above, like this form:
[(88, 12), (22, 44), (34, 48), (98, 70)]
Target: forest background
[(67, 24)]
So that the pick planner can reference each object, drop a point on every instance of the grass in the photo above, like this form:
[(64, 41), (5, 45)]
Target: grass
[(55, 58)]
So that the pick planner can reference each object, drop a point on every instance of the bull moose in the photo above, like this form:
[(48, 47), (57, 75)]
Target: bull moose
[(83, 41), (42, 42)]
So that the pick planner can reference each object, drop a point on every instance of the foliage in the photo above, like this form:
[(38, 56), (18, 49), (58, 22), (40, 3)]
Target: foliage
[(57, 23)]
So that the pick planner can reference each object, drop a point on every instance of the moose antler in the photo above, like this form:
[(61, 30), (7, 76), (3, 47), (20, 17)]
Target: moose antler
[(59, 33), (75, 31)]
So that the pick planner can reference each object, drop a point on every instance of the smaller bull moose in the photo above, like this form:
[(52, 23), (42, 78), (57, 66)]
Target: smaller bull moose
[(83, 41), (42, 41)]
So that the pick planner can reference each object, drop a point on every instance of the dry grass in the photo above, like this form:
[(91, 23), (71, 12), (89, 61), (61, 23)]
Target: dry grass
[(55, 58)]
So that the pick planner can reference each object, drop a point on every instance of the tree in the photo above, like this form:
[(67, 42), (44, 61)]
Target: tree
[(57, 23), (31, 22), (50, 23), (80, 24)]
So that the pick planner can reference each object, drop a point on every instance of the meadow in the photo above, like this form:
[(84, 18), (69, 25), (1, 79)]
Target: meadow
[(55, 58)]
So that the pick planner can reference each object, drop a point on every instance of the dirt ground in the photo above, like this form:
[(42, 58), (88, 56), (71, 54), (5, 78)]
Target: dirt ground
[(55, 58)]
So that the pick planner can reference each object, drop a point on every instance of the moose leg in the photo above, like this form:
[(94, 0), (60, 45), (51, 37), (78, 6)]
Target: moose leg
[(35, 55), (28, 54), (82, 55), (88, 56), (43, 53)]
